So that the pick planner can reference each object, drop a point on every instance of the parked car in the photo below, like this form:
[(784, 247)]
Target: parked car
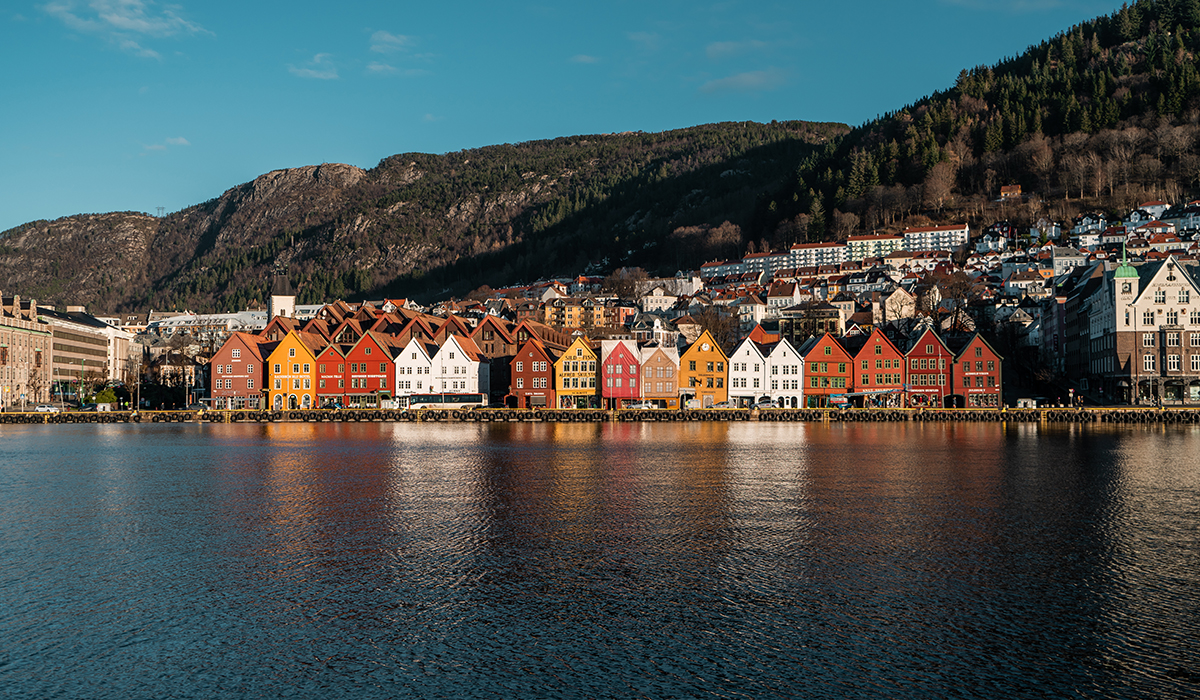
[(764, 403), (196, 407), (88, 407), (47, 408), (724, 404), (641, 406)]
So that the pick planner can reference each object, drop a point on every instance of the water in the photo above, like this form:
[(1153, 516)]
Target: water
[(662, 560)]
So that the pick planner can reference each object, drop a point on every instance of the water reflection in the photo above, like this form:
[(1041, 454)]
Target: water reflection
[(698, 559)]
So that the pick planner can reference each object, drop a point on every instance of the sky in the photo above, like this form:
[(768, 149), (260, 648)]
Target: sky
[(131, 105)]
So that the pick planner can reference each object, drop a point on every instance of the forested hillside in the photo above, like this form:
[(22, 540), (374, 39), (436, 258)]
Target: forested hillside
[(1103, 115)]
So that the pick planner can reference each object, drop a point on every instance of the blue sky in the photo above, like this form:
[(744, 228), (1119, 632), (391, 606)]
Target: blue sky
[(113, 105)]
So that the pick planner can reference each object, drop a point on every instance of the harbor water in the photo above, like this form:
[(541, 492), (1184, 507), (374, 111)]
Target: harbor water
[(723, 560)]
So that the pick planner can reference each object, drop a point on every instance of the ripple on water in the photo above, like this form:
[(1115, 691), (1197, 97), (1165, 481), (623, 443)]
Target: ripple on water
[(697, 560)]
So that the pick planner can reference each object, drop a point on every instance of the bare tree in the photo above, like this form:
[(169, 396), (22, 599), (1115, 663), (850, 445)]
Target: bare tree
[(938, 184), (722, 326), (844, 224), (625, 282)]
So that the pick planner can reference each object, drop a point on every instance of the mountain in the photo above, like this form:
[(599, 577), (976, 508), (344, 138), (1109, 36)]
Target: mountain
[(1103, 115), (424, 224)]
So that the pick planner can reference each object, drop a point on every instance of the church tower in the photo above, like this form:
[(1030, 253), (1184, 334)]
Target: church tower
[(283, 297)]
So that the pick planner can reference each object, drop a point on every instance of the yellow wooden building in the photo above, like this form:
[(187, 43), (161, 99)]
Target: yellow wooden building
[(702, 373), (575, 376), (291, 371)]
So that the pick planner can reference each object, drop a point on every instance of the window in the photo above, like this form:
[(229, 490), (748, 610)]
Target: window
[(1184, 298), (913, 362), (878, 349), (708, 366), (295, 368), (866, 364), (519, 367), (250, 382), (321, 369), (1148, 318), (237, 353), (866, 379), (1160, 296), (342, 368), (278, 383), (277, 370), (991, 381), (1196, 363), (1172, 318), (382, 368), (979, 365), (691, 365), (520, 382), (841, 368), (368, 352), (291, 352), (320, 383), (978, 351), (928, 349), (1194, 318), (1173, 363), (307, 368), (828, 350), (1147, 340), (1194, 340), (1148, 363), (1173, 339), (218, 369), (991, 365), (966, 381)]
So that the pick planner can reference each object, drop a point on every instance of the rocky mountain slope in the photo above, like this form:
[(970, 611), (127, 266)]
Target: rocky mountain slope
[(422, 223)]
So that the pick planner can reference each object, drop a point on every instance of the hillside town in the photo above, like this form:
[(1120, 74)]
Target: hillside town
[(1094, 310)]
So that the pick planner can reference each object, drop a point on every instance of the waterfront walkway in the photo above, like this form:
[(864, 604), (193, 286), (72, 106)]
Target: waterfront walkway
[(1002, 415)]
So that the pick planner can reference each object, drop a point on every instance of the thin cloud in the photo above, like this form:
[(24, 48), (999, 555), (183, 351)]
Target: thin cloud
[(125, 24), (647, 40), (173, 141), (386, 42), (376, 68), (753, 81), (584, 58), (382, 69), (319, 68), (725, 49)]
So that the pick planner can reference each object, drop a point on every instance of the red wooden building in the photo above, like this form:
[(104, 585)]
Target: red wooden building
[(331, 375), (239, 372), (878, 370), (370, 371), (828, 371), (532, 373), (619, 371), (976, 373), (929, 371)]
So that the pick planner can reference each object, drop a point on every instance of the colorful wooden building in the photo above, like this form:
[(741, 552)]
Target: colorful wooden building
[(575, 375), (619, 363), (977, 377), (239, 372), (660, 374), (291, 372), (828, 372), (702, 373), (532, 373), (929, 363)]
